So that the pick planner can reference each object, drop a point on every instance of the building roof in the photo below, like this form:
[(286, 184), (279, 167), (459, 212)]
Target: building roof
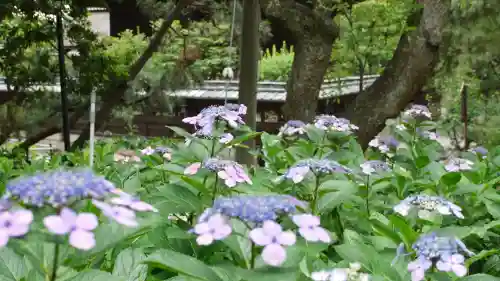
[(266, 90), (270, 90)]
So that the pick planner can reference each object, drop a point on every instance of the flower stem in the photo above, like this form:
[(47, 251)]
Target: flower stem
[(214, 194), (253, 256), (55, 262), (314, 202), (368, 196), (319, 148)]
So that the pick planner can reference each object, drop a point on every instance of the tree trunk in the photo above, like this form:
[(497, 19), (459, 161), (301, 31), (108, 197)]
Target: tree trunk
[(412, 65), (315, 34), (249, 65)]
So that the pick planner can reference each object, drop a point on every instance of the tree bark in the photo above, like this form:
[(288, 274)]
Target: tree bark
[(126, 15), (413, 63), (116, 92), (249, 65), (314, 33)]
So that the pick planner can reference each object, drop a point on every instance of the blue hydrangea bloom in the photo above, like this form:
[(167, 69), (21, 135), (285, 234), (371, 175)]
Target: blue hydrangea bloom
[(57, 188), (253, 208)]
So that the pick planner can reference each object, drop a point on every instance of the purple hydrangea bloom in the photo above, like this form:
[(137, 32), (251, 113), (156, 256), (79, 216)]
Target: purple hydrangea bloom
[(78, 226), (333, 123), (205, 121), (384, 144), (479, 150), (272, 237), (300, 169), (443, 252), (216, 227), (148, 151), (427, 134), (231, 172), (226, 138), (127, 200), (14, 223), (458, 165), (253, 208), (57, 188), (419, 112), (292, 128), (121, 215), (374, 167), (427, 205), (310, 229)]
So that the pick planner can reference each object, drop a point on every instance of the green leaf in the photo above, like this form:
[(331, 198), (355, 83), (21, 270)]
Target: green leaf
[(241, 246), (133, 184), (341, 191), (181, 132), (177, 262), (243, 138), (451, 179), (407, 234), (173, 198), (493, 208), (128, 264), (12, 266), (481, 255), (96, 275), (480, 277)]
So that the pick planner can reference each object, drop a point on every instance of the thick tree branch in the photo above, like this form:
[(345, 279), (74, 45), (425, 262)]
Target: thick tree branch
[(412, 65), (116, 92)]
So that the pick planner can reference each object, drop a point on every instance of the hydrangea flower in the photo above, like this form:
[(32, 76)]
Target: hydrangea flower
[(443, 252), (384, 144), (480, 151), (215, 228), (127, 200), (292, 128), (427, 205), (126, 156), (121, 215), (418, 112), (374, 167), (205, 121), (458, 165), (254, 208), (427, 134), (300, 169), (148, 151), (14, 223), (272, 237), (57, 188), (310, 229), (226, 138), (341, 274), (333, 123), (231, 172), (78, 226)]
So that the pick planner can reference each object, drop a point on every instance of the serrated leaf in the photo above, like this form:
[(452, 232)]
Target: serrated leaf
[(180, 263), (12, 266), (96, 275), (128, 264)]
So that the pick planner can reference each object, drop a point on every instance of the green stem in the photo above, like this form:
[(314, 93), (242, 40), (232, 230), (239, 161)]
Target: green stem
[(320, 146), (368, 196), (55, 262), (340, 227), (253, 256), (314, 202), (215, 188)]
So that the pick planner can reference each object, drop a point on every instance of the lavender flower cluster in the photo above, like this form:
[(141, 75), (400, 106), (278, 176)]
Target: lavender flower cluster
[(443, 252), (333, 123), (292, 128), (299, 170), (261, 213), (60, 190), (427, 205), (205, 122), (229, 171)]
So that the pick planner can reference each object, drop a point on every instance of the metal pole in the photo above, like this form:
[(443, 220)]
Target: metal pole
[(62, 78), (92, 128)]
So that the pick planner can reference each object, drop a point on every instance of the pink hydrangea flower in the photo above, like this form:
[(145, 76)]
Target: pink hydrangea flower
[(14, 224), (453, 263), (192, 169), (131, 202), (233, 175), (121, 215), (215, 228), (78, 226), (310, 229), (418, 268), (273, 238)]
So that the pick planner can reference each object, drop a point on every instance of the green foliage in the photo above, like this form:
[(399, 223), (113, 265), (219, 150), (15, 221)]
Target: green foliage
[(276, 65), (356, 208)]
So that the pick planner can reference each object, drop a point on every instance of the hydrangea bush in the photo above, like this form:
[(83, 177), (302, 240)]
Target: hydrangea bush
[(319, 208)]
